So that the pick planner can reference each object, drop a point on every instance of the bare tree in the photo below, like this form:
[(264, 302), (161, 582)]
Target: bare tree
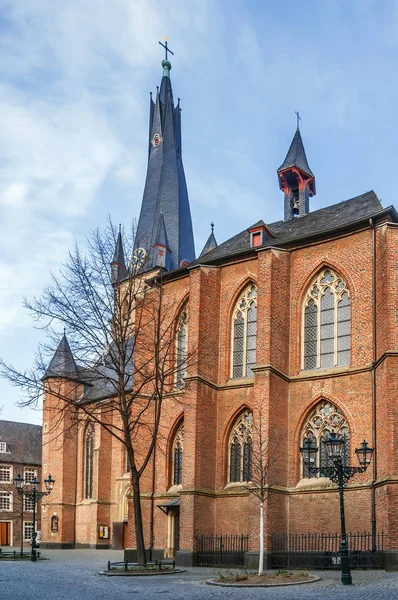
[(263, 461), (121, 328)]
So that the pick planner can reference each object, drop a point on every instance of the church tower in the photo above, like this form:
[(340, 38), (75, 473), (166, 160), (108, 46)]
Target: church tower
[(296, 179), (164, 233)]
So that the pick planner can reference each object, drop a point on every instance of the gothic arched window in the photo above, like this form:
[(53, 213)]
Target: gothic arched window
[(324, 419), (327, 322), (240, 449), (181, 348), (244, 330), (177, 455), (88, 461)]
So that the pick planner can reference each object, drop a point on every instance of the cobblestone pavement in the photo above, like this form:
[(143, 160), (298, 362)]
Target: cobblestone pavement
[(73, 575)]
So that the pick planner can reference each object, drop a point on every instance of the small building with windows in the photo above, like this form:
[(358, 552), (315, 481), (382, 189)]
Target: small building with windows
[(294, 324), (20, 453)]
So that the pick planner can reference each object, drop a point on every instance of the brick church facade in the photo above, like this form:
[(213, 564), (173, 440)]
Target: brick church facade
[(297, 319)]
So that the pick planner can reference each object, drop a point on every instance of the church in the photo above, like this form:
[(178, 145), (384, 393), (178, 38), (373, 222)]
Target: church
[(300, 318)]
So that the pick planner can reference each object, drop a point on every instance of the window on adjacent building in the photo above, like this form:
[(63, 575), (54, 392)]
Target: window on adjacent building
[(240, 449), (3, 447), (27, 530), (177, 455), (327, 322), (181, 348), (5, 474), (29, 504), (5, 501), (324, 419), (30, 475), (244, 331), (89, 461)]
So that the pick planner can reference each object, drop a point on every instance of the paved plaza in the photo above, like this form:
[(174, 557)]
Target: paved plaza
[(73, 575)]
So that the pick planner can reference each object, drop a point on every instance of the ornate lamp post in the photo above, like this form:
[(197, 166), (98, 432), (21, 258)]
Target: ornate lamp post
[(340, 474), (29, 489)]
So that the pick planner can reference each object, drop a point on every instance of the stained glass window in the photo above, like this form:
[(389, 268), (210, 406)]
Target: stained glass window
[(178, 449), (327, 322), (244, 333), (240, 449), (324, 419), (88, 461), (181, 348)]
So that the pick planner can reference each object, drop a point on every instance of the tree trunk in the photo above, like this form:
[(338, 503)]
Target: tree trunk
[(261, 556), (139, 531)]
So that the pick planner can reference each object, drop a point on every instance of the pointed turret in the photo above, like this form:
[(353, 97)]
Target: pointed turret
[(296, 179), (162, 253), (211, 242), (118, 265), (62, 363), (165, 187)]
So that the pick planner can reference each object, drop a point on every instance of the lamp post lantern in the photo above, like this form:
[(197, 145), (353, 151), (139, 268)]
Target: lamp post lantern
[(29, 489), (338, 473)]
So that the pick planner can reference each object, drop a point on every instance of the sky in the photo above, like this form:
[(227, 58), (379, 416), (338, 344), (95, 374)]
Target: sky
[(75, 79)]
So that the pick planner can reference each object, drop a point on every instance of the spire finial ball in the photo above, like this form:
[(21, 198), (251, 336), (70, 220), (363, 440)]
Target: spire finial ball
[(166, 64)]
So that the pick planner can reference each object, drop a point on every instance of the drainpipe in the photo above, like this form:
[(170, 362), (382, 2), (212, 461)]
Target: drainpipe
[(374, 432), (151, 522)]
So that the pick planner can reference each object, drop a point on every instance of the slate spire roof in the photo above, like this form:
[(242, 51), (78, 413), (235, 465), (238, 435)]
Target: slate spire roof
[(161, 234), (296, 156), (62, 363), (165, 187), (210, 244), (118, 265)]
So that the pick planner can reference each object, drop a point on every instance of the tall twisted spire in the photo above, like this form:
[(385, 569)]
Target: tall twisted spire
[(165, 187)]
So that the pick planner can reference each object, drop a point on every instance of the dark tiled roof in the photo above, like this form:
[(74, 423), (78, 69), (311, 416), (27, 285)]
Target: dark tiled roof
[(320, 221), (296, 156), (62, 363), (119, 271), (211, 244), (23, 443)]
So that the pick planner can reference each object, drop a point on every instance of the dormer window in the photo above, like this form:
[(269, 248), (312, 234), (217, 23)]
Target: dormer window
[(3, 447), (259, 235)]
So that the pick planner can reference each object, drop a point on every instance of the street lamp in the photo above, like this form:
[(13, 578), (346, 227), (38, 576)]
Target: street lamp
[(29, 489), (340, 474)]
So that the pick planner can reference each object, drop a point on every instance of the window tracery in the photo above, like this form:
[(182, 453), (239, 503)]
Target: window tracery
[(177, 455), (244, 332), (327, 322), (240, 449), (181, 348), (324, 419), (88, 461)]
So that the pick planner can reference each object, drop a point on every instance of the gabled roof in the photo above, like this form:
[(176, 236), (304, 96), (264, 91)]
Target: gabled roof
[(315, 223), (23, 442), (62, 363), (296, 156)]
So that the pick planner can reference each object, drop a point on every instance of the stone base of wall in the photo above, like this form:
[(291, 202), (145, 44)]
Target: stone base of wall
[(56, 546), (185, 558), (130, 554), (252, 558), (391, 560)]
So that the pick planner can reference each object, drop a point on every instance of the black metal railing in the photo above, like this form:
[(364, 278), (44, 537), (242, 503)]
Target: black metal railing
[(221, 550), (322, 550)]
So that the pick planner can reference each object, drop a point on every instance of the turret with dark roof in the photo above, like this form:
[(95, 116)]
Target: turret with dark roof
[(62, 363), (118, 265), (165, 187), (296, 179), (210, 244)]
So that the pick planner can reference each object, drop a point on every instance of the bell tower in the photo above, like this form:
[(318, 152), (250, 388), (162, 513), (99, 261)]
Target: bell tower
[(296, 179)]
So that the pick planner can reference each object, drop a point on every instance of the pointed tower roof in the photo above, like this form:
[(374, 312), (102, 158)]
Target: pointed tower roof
[(119, 270), (161, 234), (165, 187), (296, 156), (211, 242), (62, 363)]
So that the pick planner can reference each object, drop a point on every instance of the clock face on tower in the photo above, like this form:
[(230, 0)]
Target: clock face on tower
[(139, 256)]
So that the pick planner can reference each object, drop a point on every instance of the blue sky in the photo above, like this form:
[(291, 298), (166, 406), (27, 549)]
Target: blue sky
[(74, 96)]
